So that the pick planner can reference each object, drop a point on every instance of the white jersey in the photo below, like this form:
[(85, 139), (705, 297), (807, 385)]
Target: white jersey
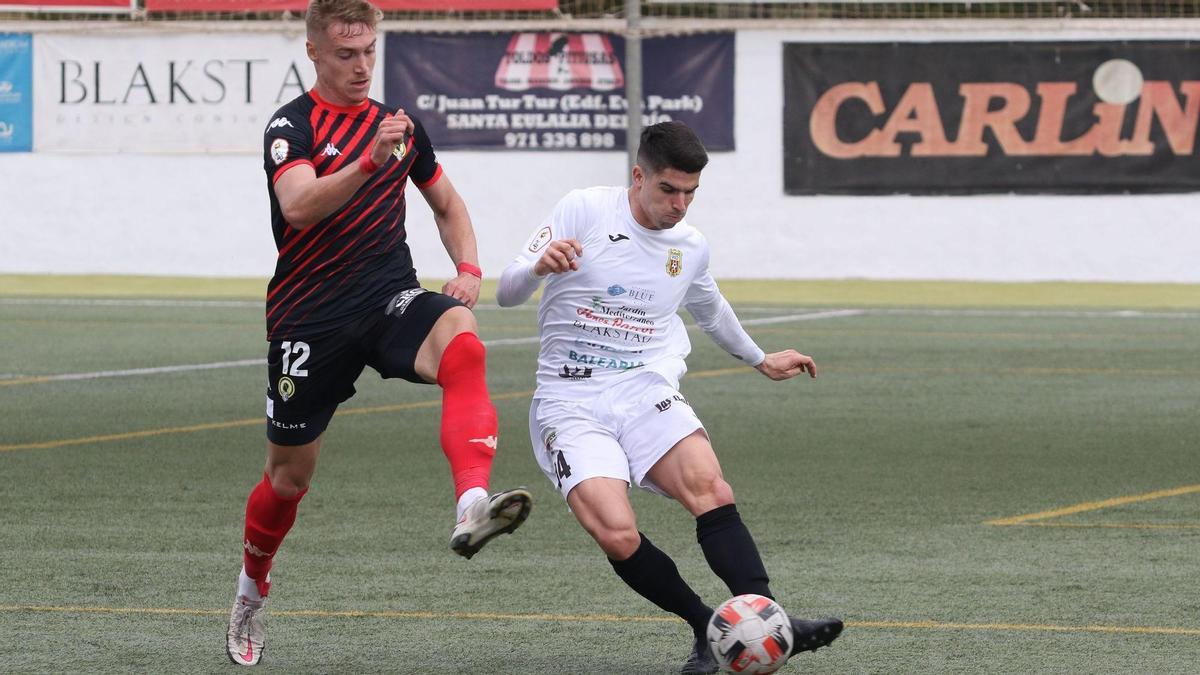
[(617, 314)]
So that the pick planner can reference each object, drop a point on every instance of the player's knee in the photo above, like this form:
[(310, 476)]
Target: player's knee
[(288, 481), (618, 543), (458, 320), (707, 491)]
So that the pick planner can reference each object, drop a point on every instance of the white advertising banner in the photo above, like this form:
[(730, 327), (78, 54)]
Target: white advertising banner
[(166, 92)]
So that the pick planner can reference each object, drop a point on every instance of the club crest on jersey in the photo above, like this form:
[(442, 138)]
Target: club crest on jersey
[(674, 262), (279, 151), (540, 239), (400, 149), (286, 388)]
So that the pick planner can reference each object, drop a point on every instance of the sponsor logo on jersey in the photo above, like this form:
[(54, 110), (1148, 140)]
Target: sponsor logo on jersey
[(674, 262), (279, 122), (615, 290), (665, 404), (279, 151), (641, 295), (575, 373), (617, 237), (330, 151), (540, 239), (286, 388)]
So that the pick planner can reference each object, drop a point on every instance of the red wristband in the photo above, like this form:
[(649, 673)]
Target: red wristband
[(367, 165), (470, 269)]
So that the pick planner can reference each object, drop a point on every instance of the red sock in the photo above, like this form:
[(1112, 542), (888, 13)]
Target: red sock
[(469, 423), (268, 519)]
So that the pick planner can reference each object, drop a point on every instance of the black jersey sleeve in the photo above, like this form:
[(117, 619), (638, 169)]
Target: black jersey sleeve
[(287, 141), (425, 170)]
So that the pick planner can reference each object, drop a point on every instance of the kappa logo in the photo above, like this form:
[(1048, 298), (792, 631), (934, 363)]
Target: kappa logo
[(254, 550), (330, 151), (280, 122), (400, 301), (490, 441)]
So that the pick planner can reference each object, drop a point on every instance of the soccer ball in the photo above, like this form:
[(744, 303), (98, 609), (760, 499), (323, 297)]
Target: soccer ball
[(750, 634)]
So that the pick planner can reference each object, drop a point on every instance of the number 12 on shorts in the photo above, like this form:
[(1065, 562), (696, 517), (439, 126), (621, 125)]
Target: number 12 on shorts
[(302, 351)]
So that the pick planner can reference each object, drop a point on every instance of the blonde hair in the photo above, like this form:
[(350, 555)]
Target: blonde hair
[(323, 13)]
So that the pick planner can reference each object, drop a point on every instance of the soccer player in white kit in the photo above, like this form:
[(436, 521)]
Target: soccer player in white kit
[(607, 412)]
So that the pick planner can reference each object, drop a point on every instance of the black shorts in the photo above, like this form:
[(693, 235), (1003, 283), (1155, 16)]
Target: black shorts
[(308, 378)]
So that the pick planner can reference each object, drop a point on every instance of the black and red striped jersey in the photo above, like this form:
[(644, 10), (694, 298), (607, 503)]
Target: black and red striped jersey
[(351, 262)]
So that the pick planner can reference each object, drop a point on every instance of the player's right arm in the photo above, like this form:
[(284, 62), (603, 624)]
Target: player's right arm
[(306, 199), (544, 254)]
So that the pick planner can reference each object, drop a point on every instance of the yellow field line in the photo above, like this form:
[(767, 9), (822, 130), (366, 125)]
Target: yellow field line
[(230, 424), (1119, 526), (1095, 506), (1034, 627), (601, 618)]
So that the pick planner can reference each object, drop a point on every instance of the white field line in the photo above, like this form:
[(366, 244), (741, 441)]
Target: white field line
[(785, 318)]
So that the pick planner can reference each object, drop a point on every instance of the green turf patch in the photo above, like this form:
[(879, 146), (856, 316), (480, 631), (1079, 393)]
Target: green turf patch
[(868, 491)]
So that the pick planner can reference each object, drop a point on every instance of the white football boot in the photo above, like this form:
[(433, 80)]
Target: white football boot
[(247, 631), (489, 517)]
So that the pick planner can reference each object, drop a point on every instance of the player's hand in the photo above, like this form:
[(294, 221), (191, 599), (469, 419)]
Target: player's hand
[(392, 131), (464, 288), (787, 364), (561, 255)]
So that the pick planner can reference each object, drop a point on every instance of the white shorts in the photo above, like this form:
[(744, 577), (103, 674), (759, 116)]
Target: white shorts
[(621, 434)]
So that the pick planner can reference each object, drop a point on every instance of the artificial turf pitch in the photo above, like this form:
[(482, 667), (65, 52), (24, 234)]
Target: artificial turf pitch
[(983, 478)]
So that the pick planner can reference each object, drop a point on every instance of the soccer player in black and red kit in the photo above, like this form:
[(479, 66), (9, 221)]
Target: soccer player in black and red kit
[(345, 296)]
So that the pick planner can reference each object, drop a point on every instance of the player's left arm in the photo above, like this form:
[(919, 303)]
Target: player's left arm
[(716, 318), (458, 236), (451, 216)]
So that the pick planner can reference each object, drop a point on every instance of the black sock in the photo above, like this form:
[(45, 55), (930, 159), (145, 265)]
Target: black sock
[(730, 551), (655, 577)]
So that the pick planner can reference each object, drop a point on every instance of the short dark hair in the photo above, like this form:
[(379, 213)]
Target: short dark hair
[(322, 13), (671, 144)]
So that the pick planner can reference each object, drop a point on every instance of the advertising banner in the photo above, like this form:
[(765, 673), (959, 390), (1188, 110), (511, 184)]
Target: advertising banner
[(558, 91), (102, 6), (169, 92), (16, 92), (386, 5), (960, 118)]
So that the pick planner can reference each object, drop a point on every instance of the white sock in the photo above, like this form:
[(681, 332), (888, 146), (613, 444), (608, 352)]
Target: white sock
[(468, 498), (248, 587)]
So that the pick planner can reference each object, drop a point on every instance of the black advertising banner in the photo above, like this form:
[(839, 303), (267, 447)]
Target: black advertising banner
[(962, 118), (557, 91)]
